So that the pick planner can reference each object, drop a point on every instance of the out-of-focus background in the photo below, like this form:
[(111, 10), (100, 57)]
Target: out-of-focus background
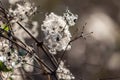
[(97, 57)]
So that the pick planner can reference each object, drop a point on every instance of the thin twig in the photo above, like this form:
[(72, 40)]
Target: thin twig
[(29, 33), (81, 36), (53, 59), (38, 44), (36, 58), (33, 66), (43, 68)]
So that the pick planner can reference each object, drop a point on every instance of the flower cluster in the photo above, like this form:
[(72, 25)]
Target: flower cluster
[(56, 30), (13, 1), (70, 18), (11, 58), (14, 53), (63, 73), (22, 13)]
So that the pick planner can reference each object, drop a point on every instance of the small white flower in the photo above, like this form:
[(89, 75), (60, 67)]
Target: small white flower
[(2, 58), (56, 31), (70, 18), (13, 64), (13, 1), (8, 56), (22, 12), (63, 73)]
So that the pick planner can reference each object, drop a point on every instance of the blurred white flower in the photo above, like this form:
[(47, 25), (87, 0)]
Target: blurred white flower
[(19, 31), (63, 73), (70, 18), (22, 12), (2, 58), (13, 1), (4, 47), (5, 55), (29, 68), (11, 57), (56, 31)]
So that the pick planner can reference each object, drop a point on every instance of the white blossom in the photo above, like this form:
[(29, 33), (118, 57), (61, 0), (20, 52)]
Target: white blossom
[(22, 12), (13, 1), (4, 47), (2, 58), (63, 73), (70, 17), (56, 31), (19, 31), (10, 57)]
